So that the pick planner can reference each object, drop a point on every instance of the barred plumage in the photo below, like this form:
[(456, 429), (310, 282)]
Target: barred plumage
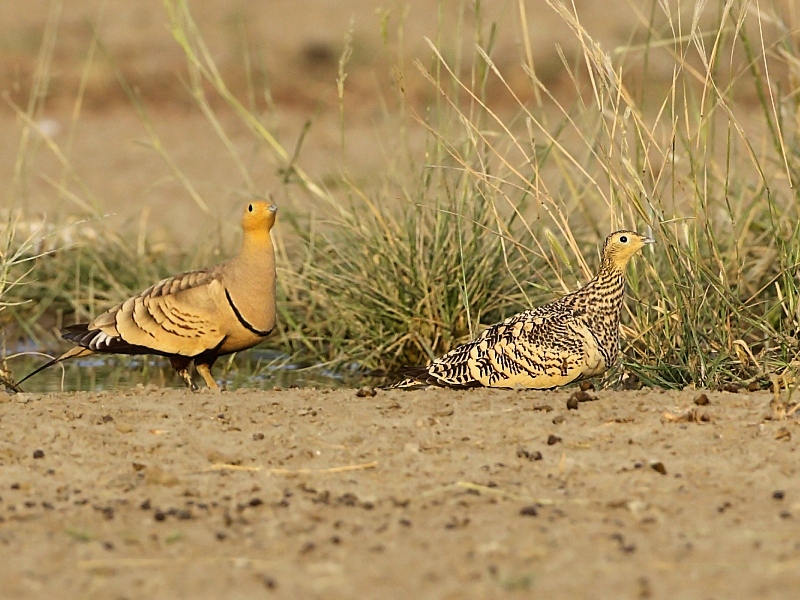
[(573, 338)]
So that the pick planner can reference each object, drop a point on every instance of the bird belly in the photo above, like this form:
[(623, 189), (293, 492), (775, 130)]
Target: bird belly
[(594, 364), (239, 340), (519, 367)]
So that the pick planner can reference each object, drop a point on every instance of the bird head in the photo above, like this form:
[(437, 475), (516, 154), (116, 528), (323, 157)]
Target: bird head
[(258, 217), (621, 245)]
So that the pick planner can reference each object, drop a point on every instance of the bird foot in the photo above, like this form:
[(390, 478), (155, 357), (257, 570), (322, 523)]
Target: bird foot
[(187, 378), (205, 373)]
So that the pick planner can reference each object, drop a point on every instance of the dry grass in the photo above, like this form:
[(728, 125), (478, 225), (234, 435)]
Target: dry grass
[(508, 207)]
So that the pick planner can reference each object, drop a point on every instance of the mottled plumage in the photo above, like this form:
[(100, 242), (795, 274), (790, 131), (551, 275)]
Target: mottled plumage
[(196, 316), (573, 338)]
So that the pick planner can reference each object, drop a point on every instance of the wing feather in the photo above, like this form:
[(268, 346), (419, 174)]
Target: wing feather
[(540, 348), (178, 315)]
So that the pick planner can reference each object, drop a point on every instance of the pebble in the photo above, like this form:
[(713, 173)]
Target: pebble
[(702, 400)]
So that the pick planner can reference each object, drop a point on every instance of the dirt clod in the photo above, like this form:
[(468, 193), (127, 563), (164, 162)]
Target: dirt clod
[(366, 392), (38, 453), (529, 511), (659, 467), (552, 439), (572, 403), (630, 381), (783, 434), (731, 386), (701, 400), (778, 494)]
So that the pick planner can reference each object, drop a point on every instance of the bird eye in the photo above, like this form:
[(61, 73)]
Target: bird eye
[(624, 239), (250, 207)]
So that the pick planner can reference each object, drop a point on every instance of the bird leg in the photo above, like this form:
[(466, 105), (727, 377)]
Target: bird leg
[(204, 368), (181, 365)]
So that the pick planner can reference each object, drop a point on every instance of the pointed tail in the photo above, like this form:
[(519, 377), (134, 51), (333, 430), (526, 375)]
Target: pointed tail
[(413, 378), (75, 352)]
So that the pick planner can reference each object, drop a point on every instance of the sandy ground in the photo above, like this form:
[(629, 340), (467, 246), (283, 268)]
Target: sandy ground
[(308, 493), (157, 493)]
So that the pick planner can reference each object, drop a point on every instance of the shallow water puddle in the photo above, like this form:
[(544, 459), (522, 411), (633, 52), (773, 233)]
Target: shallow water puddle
[(259, 369)]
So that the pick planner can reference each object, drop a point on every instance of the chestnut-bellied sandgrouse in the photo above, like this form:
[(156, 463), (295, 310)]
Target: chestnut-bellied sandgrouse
[(572, 338), (196, 316)]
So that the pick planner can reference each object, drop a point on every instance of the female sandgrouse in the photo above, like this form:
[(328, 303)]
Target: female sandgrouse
[(196, 316), (573, 338)]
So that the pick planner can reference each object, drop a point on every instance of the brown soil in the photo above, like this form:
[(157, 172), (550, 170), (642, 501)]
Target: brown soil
[(306, 494), (428, 494)]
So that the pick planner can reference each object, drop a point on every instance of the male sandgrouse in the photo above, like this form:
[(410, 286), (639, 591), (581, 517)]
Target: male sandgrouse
[(573, 338), (196, 316)]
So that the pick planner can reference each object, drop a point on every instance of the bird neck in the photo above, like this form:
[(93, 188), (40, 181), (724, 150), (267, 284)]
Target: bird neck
[(254, 267), (256, 243), (609, 280), (605, 289)]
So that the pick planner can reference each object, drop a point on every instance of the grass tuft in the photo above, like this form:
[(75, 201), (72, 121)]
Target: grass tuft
[(520, 182)]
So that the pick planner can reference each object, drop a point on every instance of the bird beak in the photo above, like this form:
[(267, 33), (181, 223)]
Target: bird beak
[(272, 208), (648, 241)]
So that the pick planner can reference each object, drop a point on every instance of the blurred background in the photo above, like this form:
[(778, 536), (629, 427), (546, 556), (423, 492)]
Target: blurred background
[(72, 62)]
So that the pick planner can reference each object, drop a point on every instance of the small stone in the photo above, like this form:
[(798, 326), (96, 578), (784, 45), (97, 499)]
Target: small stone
[(258, 436), (558, 419), (572, 403), (659, 467), (701, 400), (753, 386), (529, 511), (307, 547), (366, 392), (731, 386), (584, 396), (38, 453), (552, 439), (269, 582), (586, 386), (631, 381), (523, 452), (778, 494)]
